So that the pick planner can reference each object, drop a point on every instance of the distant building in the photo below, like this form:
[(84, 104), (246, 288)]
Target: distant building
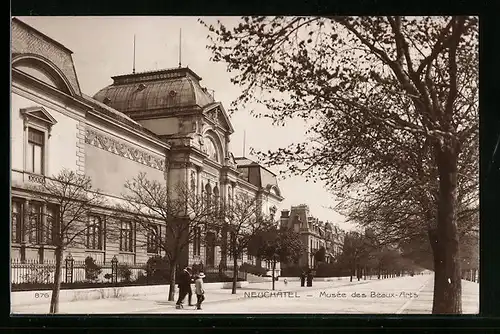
[(314, 234), (162, 123)]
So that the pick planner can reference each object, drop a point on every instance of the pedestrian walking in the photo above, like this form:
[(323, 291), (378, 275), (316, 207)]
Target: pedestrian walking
[(198, 288), (285, 281), (185, 280), (309, 278)]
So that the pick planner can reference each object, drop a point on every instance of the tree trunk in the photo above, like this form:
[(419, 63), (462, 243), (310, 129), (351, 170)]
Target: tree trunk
[(171, 291), (56, 288), (235, 273), (445, 242), (274, 267)]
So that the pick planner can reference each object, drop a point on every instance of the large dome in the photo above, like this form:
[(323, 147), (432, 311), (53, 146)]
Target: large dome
[(171, 89)]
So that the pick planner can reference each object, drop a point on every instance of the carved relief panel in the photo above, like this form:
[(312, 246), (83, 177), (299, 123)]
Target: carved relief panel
[(122, 149)]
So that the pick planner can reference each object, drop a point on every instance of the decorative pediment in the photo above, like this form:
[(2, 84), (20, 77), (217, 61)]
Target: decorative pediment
[(38, 114), (215, 113)]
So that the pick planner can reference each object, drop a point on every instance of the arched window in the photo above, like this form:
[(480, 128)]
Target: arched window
[(208, 194), (212, 150), (42, 69), (216, 198)]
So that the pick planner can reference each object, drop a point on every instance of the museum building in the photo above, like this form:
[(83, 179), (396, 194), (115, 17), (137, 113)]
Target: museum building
[(162, 123)]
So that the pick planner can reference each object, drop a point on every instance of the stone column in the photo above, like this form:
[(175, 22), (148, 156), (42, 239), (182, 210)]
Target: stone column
[(199, 169)]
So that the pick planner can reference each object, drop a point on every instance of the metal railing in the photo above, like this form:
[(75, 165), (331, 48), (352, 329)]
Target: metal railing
[(32, 272), (72, 271)]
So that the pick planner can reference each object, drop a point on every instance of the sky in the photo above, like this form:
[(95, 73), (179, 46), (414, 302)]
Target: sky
[(104, 47)]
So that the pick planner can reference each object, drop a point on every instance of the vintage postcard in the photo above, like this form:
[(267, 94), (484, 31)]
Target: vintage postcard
[(206, 165)]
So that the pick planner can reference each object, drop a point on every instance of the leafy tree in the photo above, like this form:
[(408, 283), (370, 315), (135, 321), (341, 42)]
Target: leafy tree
[(178, 211), (386, 99), (320, 254), (70, 198), (279, 245), (355, 249)]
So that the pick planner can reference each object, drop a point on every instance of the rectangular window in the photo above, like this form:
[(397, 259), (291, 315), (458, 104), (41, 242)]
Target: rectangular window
[(17, 220), (152, 240), (35, 154), (50, 223), (126, 237), (197, 241), (94, 233), (34, 228), (250, 257)]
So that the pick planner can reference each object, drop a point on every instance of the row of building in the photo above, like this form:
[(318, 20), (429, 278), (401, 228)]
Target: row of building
[(163, 123)]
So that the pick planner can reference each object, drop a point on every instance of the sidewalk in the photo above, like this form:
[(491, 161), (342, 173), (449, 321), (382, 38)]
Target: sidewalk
[(143, 304), (423, 304)]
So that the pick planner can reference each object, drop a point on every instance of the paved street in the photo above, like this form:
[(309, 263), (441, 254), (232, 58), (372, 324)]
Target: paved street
[(393, 295)]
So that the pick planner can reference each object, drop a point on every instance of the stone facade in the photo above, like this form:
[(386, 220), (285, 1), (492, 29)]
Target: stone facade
[(180, 135), (314, 234)]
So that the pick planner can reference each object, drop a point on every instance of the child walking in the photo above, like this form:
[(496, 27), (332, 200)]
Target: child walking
[(200, 293)]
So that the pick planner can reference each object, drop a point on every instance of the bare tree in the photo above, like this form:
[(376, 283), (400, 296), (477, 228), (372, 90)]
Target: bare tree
[(69, 198), (179, 211), (241, 220)]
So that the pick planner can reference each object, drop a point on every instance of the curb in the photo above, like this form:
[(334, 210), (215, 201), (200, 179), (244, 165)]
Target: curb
[(410, 301)]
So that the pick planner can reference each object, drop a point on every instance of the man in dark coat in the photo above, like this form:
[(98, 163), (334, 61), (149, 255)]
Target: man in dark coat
[(302, 278), (185, 280)]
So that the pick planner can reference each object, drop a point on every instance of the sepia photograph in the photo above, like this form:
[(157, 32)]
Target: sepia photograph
[(244, 165)]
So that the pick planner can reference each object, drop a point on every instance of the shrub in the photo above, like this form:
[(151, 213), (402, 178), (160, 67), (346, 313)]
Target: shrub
[(216, 278), (329, 270), (253, 269), (292, 271), (124, 272), (157, 269), (140, 276), (108, 277), (319, 256), (197, 268), (39, 275), (92, 270)]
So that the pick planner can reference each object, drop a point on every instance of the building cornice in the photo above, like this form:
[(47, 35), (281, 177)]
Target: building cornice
[(44, 87)]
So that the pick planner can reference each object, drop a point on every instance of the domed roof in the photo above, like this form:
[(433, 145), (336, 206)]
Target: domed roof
[(165, 89)]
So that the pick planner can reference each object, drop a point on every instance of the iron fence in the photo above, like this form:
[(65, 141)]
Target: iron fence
[(72, 271), (32, 272), (226, 271)]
